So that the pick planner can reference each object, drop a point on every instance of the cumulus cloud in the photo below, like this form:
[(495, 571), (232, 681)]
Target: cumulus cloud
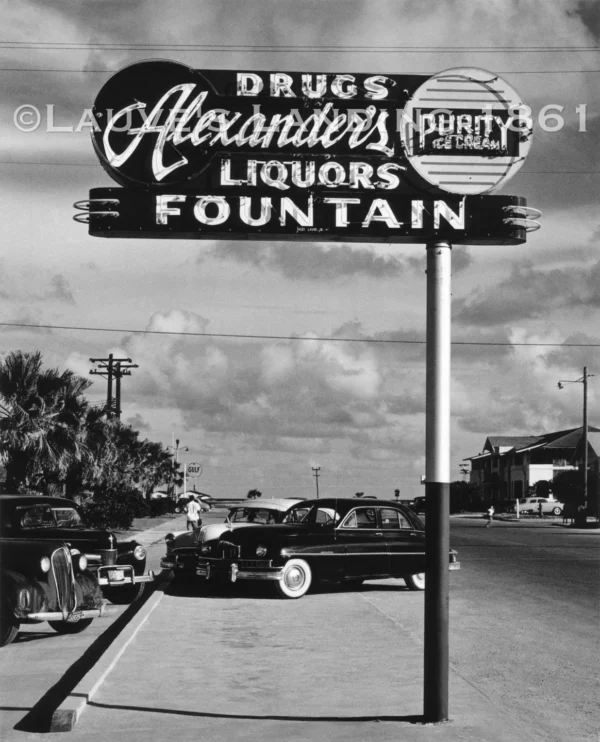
[(138, 422), (308, 261), (530, 291)]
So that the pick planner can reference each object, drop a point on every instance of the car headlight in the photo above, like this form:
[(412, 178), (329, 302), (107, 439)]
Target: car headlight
[(45, 564), (139, 552), (261, 551), (83, 562)]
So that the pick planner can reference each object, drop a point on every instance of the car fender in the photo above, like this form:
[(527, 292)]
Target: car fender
[(125, 556)]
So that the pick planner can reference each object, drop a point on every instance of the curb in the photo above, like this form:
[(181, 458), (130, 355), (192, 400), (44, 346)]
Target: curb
[(66, 716)]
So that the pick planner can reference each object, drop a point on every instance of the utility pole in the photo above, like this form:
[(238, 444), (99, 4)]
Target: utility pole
[(113, 368), (579, 518), (175, 449), (316, 470), (120, 370)]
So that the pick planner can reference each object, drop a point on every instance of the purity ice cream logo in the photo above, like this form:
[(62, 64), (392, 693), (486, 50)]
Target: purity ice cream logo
[(466, 131)]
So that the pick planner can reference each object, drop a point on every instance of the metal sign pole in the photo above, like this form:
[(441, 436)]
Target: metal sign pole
[(437, 483)]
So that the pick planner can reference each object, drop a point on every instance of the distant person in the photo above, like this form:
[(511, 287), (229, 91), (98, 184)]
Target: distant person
[(193, 514), (490, 516), (540, 509), (397, 495)]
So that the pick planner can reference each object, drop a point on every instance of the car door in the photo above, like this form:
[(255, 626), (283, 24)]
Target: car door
[(405, 543), (365, 548), (316, 541)]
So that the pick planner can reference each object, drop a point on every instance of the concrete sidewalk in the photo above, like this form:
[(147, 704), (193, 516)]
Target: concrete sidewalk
[(242, 666)]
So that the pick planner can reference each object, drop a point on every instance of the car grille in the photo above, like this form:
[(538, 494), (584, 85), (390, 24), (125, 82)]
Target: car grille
[(255, 563), (62, 571), (108, 556), (186, 561), (229, 550)]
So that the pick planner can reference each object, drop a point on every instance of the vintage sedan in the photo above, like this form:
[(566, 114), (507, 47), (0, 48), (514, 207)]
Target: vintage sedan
[(118, 566), (45, 580), (183, 548), (328, 540)]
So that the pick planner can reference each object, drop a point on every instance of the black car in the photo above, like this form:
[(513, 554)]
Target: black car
[(45, 580), (118, 567), (329, 540)]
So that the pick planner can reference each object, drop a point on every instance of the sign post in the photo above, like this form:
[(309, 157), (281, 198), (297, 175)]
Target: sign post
[(437, 483)]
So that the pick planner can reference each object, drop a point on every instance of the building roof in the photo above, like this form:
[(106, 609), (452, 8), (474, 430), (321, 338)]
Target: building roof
[(570, 438), (497, 442), (502, 444)]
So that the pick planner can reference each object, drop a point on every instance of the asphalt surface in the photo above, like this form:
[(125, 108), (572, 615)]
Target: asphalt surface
[(239, 664)]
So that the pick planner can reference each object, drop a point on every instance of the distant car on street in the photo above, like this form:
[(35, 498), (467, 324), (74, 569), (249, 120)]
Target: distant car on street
[(418, 505), (327, 540), (118, 565), (45, 580), (528, 505), (204, 500)]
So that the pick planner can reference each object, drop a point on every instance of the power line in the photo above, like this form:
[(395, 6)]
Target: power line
[(246, 336), (311, 48), (499, 72)]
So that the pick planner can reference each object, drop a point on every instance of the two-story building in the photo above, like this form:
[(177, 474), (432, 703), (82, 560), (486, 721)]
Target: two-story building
[(509, 465)]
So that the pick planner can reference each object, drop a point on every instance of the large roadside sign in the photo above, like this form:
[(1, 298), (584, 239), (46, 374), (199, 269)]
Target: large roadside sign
[(280, 155)]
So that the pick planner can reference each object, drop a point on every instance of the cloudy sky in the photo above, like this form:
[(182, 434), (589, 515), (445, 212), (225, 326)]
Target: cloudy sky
[(261, 411)]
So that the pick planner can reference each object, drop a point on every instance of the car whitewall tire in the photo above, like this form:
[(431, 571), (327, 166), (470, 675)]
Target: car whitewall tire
[(415, 582), (296, 579)]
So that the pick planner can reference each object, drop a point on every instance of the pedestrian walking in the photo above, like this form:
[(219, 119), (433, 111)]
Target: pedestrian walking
[(540, 509), (193, 514), (490, 516)]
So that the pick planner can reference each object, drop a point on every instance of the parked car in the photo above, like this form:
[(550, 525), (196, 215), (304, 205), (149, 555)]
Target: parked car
[(45, 580), (329, 540), (252, 513), (529, 505), (418, 505), (118, 566)]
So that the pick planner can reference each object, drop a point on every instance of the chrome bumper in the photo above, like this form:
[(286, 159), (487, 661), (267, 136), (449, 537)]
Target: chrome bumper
[(454, 565), (58, 616), (129, 576), (234, 573)]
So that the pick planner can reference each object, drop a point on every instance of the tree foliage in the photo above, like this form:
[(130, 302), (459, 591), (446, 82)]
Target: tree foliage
[(254, 494), (53, 441)]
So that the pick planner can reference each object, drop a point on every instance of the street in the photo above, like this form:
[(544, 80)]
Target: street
[(524, 620), (524, 616)]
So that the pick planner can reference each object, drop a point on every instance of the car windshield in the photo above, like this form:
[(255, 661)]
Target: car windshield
[(314, 514), (68, 518), (36, 516), (253, 515)]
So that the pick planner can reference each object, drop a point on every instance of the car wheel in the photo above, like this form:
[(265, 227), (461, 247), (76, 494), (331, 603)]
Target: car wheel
[(71, 627), (9, 626), (556, 511), (296, 579), (124, 595), (415, 582)]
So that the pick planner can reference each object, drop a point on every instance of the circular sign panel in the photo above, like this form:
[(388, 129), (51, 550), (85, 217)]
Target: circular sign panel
[(194, 470), (466, 131)]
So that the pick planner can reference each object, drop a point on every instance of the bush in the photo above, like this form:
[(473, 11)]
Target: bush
[(112, 510)]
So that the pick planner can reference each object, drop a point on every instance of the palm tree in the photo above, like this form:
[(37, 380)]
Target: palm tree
[(41, 415)]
